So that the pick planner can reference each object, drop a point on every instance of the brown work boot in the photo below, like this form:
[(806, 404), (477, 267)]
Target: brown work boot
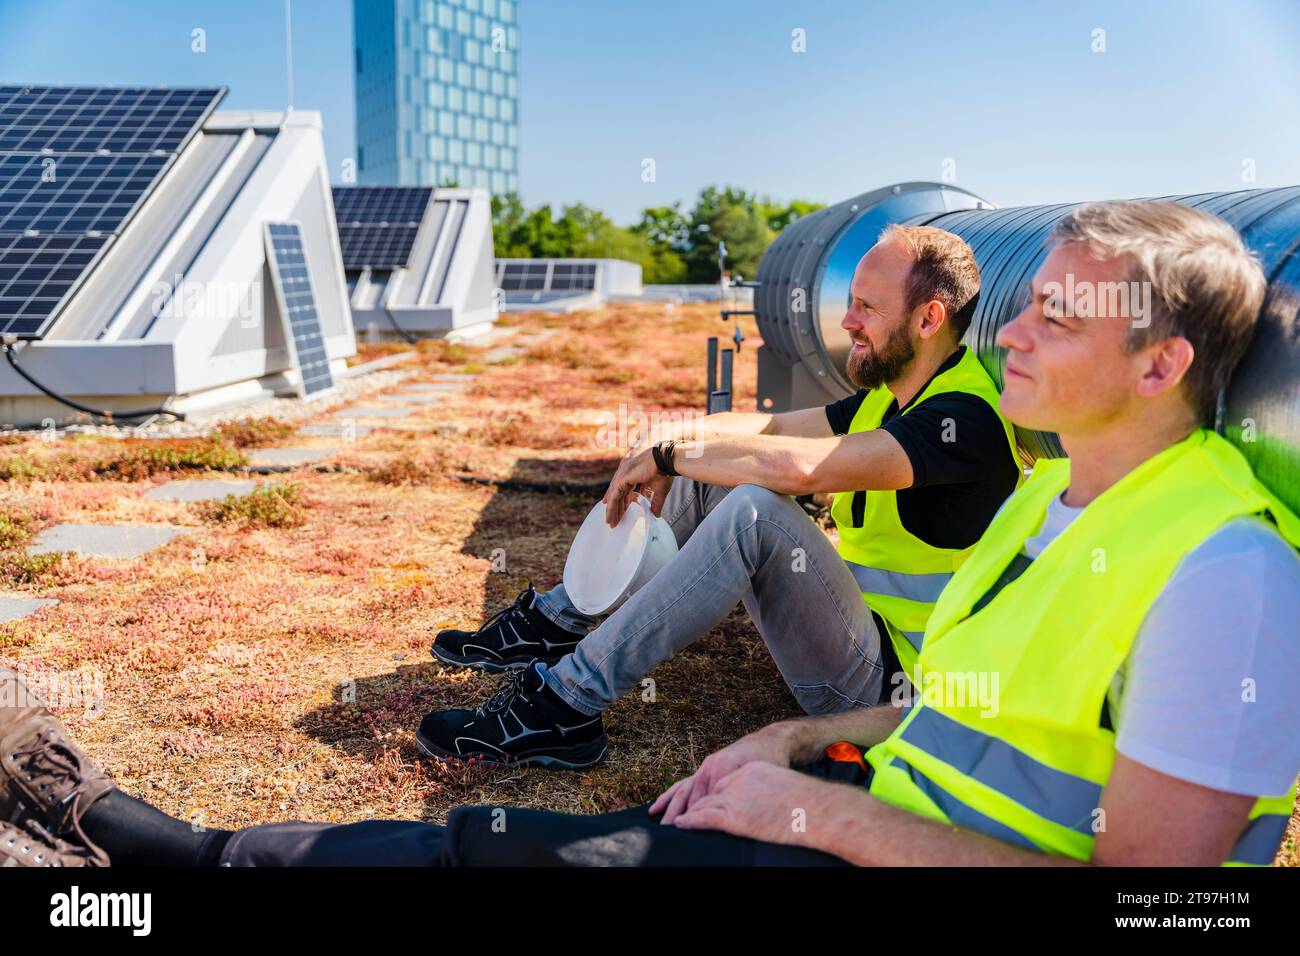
[(43, 775), (28, 845)]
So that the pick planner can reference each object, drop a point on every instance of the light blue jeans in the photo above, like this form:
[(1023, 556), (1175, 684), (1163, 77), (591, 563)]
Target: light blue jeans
[(741, 544)]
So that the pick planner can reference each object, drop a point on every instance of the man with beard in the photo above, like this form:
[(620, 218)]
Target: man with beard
[(919, 457)]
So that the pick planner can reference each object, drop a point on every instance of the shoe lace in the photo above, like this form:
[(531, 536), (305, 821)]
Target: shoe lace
[(507, 690), (516, 608), (52, 759)]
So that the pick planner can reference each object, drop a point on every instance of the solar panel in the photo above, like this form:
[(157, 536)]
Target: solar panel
[(376, 247), (574, 276), (378, 224), (381, 204), (72, 194), (523, 276), (76, 162), (71, 119), (297, 299), (36, 275)]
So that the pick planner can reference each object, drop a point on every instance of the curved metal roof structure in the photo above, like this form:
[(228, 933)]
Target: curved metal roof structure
[(803, 291)]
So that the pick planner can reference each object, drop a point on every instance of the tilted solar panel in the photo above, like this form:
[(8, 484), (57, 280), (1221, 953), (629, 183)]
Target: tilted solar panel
[(75, 194), (375, 246), (297, 299), (378, 224), (355, 205), (72, 119), (573, 276), (76, 163), (523, 276), (36, 274)]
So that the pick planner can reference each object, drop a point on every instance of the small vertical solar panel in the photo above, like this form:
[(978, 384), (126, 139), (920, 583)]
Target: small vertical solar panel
[(297, 301), (76, 163)]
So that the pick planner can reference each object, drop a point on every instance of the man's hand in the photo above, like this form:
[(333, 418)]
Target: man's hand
[(636, 471), (761, 801), (768, 746)]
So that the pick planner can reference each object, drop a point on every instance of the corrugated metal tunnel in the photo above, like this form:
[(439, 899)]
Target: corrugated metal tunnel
[(803, 283)]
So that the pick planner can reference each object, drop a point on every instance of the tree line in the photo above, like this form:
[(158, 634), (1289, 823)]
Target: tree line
[(670, 244)]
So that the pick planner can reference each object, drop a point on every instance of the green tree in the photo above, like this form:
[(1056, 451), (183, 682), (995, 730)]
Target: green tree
[(734, 217), (778, 216), (669, 244), (667, 232), (509, 239)]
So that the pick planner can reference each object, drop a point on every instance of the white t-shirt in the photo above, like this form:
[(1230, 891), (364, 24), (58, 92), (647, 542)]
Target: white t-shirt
[(1210, 691)]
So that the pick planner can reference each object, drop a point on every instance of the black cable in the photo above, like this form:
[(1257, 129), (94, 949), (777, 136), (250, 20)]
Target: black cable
[(64, 400), (410, 339)]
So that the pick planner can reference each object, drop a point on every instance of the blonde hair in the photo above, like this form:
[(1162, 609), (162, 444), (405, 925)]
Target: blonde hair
[(943, 268), (1205, 285)]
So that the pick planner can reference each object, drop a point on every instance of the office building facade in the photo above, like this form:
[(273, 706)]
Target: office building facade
[(437, 92)]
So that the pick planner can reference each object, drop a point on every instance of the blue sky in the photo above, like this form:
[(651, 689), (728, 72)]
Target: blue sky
[(1011, 93)]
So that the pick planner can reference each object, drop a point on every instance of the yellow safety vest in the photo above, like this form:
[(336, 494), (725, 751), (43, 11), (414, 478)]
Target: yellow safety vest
[(899, 574), (1030, 769)]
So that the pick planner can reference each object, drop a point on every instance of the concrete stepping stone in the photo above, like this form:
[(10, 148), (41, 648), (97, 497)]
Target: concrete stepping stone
[(341, 430), (288, 457), (105, 540), (374, 411), (200, 489), (12, 607)]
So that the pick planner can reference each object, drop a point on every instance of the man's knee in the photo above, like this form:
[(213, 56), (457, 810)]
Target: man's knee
[(820, 699), (757, 499)]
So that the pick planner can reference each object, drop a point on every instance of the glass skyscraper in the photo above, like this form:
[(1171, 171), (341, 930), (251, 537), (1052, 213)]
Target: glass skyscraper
[(437, 92)]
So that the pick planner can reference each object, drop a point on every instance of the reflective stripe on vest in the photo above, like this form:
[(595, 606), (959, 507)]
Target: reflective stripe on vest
[(1054, 795), (914, 587), (963, 814), (924, 588)]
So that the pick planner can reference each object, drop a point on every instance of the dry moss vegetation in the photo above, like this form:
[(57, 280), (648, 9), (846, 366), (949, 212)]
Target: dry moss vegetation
[(273, 662)]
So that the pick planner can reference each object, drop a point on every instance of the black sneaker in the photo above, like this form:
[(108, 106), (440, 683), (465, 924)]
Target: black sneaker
[(523, 722), (510, 639)]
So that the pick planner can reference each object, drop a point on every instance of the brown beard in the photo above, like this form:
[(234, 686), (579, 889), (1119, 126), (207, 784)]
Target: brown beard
[(876, 367)]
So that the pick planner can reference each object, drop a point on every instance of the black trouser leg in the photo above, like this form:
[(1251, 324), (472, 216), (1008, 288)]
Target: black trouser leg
[(499, 836), (369, 843), (133, 833), (494, 836)]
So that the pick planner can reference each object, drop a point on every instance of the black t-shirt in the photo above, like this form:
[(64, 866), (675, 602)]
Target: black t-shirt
[(957, 484)]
